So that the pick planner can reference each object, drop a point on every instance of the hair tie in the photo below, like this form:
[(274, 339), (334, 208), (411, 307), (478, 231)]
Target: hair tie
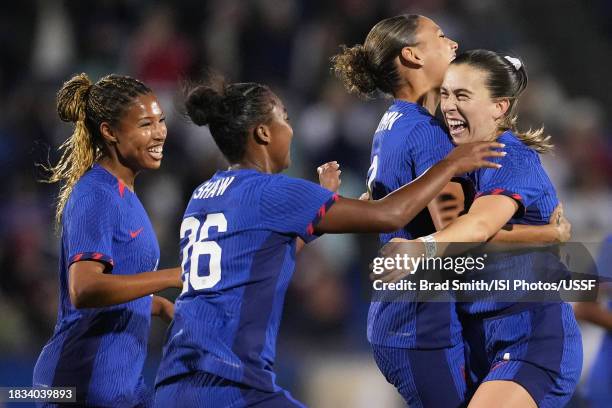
[(516, 63)]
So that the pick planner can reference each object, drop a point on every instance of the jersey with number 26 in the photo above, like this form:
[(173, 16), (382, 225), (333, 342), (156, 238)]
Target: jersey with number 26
[(238, 239)]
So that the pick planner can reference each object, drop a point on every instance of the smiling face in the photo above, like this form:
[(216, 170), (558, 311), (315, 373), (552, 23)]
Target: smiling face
[(469, 112), (436, 49), (141, 133)]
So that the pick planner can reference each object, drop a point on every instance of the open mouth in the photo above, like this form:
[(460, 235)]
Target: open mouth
[(456, 126), (156, 152)]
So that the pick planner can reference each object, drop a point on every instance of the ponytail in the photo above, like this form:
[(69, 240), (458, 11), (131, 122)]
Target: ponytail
[(370, 69), (78, 152)]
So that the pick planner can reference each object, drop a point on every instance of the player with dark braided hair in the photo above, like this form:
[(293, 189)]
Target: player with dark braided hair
[(100, 340)]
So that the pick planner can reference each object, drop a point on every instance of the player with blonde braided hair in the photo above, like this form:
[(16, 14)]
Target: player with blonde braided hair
[(100, 340)]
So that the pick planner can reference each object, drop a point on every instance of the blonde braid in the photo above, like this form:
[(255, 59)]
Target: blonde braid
[(78, 152)]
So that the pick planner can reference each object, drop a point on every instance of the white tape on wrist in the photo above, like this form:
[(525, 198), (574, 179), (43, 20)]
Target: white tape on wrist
[(431, 246)]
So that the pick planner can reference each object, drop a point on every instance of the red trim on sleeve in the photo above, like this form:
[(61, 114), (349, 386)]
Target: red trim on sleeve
[(310, 229), (321, 213), (502, 191), (94, 256), (121, 188)]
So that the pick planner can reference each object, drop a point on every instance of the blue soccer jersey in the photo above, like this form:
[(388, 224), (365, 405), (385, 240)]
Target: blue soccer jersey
[(101, 351), (238, 239), (407, 142), (522, 178)]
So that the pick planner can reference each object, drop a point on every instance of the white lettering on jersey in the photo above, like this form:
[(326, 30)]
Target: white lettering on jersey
[(213, 188), (387, 121)]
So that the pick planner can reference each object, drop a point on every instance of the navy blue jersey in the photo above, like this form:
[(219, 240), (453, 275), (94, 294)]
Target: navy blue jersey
[(407, 142), (101, 351), (238, 239), (522, 178)]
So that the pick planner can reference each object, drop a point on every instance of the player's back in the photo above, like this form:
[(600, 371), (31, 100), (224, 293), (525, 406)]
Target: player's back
[(407, 142), (238, 254)]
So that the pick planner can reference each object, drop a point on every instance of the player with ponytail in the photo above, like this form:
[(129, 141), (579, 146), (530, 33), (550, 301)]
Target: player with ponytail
[(418, 346), (100, 340), (529, 351)]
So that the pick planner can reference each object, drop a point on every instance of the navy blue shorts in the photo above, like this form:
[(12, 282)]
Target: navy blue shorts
[(539, 348), (206, 390), (425, 378)]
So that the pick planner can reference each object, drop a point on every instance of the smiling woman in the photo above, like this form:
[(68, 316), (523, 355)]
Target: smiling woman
[(479, 96), (142, 132), (107, 241)]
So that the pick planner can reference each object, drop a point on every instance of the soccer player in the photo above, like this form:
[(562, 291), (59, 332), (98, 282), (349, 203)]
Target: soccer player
[(417, 346), (100, 340), (529, 353), (238, 240)]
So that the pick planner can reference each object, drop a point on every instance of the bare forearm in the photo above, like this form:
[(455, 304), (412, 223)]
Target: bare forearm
[(469, 231), (390, 213), (465, 229), (107, 289), (486, 217)]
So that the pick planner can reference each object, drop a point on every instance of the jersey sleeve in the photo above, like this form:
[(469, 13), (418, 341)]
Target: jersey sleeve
[(517, 179), (428, 144), (294, 206), (89, 223)]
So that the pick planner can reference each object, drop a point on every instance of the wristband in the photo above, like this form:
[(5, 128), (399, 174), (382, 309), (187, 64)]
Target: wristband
[(431, 246)]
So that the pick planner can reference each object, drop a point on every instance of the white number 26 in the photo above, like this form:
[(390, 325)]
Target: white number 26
[(197, 239)]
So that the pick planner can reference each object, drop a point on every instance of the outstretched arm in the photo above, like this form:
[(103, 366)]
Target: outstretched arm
[(400, 207)]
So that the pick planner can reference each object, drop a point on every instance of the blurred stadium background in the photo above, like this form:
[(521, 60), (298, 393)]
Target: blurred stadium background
[(323, 356)]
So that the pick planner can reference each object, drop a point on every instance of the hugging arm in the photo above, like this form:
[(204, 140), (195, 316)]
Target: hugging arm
[(400, 207)]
